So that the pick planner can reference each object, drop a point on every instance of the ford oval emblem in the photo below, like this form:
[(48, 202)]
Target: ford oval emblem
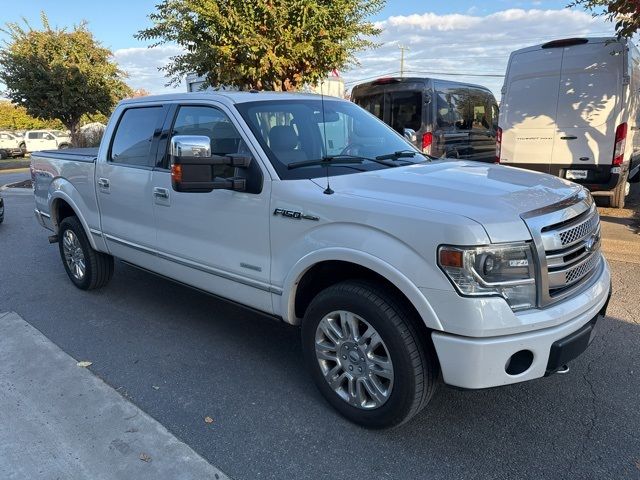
[(591, 243)]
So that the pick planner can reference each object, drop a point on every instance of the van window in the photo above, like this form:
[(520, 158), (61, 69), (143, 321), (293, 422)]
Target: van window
[(451, 110), (132, 140), (406, 110), (374, 104), (480, 110)]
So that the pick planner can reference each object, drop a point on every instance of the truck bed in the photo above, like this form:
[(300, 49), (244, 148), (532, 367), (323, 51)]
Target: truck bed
[(73, 154)]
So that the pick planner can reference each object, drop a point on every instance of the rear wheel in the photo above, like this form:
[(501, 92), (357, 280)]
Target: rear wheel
[(86, 268), (365, 356), (617, 200), (3, 154)]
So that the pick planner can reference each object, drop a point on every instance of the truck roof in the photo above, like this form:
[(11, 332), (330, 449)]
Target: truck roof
[(233, 97)]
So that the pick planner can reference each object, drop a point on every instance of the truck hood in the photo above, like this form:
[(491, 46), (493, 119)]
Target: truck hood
[(493, 195)]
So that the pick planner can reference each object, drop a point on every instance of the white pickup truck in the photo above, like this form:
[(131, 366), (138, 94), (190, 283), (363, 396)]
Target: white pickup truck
[(397, 266)]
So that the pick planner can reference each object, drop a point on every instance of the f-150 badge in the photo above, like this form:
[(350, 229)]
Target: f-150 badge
[(295, 215)]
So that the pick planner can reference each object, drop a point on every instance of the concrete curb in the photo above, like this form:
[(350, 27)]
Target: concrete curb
[(58, 420)]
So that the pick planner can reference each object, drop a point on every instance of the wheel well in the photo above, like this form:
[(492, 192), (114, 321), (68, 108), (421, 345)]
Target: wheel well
[(324, 274), (61, 210)]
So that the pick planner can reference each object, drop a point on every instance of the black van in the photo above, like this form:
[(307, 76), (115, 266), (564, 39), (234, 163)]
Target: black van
[(442, 118)]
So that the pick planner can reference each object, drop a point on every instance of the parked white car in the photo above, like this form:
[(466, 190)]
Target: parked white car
[(570, 108), (10, 145), (396, 265), (38, 140)]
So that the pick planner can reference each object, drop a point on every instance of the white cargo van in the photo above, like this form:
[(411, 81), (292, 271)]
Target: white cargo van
[(570, 108)]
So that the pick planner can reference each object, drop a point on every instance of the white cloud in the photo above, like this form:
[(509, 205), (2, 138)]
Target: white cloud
[(468, 43), (142, 64)]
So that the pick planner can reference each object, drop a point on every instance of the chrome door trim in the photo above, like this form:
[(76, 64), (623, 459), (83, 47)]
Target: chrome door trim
[(203, 268)]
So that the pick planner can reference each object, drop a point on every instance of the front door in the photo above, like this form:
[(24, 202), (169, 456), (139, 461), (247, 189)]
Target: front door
[(123, 185), (216, 241)]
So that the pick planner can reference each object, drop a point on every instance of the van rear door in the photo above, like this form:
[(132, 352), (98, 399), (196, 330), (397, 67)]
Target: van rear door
[(529, 108), (588, 105)]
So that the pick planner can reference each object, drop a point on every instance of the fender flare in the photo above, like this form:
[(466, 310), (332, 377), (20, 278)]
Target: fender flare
[(363, 259), (56, 194)]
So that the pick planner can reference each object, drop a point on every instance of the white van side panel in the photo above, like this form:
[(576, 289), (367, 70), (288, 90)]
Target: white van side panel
[(529, 108), (589, 104)]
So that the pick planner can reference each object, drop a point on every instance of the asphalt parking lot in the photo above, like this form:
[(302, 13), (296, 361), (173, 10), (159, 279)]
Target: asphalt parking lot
[(210, 358)]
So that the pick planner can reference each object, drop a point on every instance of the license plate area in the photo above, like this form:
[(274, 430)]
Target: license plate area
[(576, 174)]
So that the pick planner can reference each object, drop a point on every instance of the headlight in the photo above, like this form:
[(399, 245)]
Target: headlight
[(505, 270)]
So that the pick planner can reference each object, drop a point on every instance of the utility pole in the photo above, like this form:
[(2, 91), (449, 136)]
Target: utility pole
[(402, 49)]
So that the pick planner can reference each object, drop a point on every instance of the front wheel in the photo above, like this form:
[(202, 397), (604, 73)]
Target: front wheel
[(87, 268), (365, 356)]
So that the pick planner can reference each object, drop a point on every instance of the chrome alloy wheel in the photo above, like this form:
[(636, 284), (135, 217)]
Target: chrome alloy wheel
[(354, 360), (73, 254)]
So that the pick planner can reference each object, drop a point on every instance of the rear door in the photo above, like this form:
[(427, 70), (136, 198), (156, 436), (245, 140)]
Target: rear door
[(588, 104), (529, 108), (405, 111), (123, 184), (483, 111)]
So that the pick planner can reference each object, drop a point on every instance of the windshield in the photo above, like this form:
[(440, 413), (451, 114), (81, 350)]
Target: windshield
[(294, 131)]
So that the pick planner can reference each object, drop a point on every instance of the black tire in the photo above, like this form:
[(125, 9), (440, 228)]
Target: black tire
[(414, 361), (617, 200), (3, 154), (98, 266), (23, 147)]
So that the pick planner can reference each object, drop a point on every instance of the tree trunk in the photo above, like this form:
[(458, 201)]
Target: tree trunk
[(76, 138)]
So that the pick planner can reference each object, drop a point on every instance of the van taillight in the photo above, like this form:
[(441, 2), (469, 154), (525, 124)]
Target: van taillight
[(427, 141), (498, 144), (618, 150)]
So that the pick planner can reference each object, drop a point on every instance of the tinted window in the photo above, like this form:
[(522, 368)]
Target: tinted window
[(451, 111), (406, 110), (32, 135), (211, 122), (134, 135), (373, 104), (481, 109)]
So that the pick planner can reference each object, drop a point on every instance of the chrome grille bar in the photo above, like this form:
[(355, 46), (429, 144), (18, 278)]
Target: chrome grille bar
[(566, 236)]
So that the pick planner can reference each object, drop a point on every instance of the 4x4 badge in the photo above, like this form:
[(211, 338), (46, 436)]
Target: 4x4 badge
[(293, 214)]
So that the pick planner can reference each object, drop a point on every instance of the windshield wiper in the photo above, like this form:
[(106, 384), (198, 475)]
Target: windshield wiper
[(401, 154), (336, 160)]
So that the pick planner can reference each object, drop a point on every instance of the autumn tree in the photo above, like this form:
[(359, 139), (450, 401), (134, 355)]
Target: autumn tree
[(624, 13), (262, 44), (13, 117), (55, 73)]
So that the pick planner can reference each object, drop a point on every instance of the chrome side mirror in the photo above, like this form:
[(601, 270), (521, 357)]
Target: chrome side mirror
[(410, 134), (190, 146)]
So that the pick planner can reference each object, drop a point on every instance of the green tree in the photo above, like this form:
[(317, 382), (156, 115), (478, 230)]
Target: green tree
[(13, 117), (262, 44), (60, 74), (624, 13)]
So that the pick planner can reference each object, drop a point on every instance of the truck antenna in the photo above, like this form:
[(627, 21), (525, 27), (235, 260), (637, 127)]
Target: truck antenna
[(328, 190)]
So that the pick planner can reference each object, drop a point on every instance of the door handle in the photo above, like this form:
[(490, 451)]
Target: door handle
[(160, 192), (103, 183), (570, 137)]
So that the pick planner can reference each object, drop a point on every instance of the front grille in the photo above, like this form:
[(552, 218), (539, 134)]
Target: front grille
[(567, 240)]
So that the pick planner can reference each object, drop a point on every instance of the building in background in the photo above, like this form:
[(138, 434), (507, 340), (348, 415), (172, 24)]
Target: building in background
[(333, 85)]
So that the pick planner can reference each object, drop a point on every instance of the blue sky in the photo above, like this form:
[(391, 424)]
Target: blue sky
[(473, 38), (115, 22)]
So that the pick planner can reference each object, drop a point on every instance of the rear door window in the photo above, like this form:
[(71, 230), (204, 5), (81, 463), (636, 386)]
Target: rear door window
[(134, 136), (480, 109), (406, 110), (374, 104), (452, 108)]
